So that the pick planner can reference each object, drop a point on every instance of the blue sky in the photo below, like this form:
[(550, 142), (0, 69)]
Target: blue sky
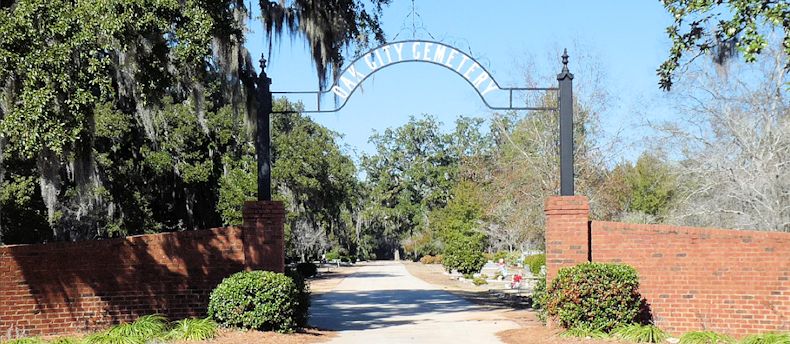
[(515, 40)]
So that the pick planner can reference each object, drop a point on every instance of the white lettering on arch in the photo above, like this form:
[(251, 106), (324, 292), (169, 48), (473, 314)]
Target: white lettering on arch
[(438, 55), (339, 92), (433, 52)]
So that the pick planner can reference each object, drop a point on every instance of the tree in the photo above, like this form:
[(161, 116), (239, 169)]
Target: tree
[(720, 27), (329, 27), (119, 117), (457, 225), (651, 186), (412, 173), (316, 181), (733, 145)]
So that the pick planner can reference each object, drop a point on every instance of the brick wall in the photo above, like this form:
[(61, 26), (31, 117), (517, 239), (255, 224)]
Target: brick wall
[(59, 288), (566, 245), (730, 281)]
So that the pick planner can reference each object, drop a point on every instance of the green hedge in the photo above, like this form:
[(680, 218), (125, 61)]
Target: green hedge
[(260, 300), (595, 295), (535, 262), (307, 269), (464, 253)]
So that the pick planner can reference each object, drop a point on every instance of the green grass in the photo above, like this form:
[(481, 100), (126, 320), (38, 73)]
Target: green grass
[(193, 329), (146, 329), (640, 333), (706, 337), (583, 332), (142, 330), (767, 338), (65, 340), (25, 341)]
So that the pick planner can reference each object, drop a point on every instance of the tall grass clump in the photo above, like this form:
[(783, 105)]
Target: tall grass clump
[(767, 338), (640, 333), (706, 337), (142, 330), (193, 329)]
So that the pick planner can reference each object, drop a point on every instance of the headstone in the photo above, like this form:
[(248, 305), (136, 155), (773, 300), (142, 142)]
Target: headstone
[(490, 269)]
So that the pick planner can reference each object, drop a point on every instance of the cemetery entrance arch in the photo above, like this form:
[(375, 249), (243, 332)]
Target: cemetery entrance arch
[(492, 94), (436, 53)]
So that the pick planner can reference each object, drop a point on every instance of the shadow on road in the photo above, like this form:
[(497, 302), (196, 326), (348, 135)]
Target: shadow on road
[(343, 310)]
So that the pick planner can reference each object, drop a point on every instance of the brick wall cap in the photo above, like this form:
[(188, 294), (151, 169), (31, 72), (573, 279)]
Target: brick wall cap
[(567, 203)]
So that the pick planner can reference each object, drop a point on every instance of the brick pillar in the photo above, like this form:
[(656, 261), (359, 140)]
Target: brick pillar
[(567, 232), (264, 235)]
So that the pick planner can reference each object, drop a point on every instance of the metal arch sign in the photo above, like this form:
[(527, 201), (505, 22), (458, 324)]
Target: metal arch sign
[(437, 53), (416, 51)]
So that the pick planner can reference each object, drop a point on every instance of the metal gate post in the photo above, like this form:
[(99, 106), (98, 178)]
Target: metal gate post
[(262, 136), (565, 100)]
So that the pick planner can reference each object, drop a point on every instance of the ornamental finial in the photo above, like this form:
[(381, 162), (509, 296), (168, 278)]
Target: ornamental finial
[(565, 60), (263, 64)]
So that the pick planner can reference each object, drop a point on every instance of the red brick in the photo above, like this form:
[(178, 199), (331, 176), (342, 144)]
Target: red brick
[(57, 288), (724, 280)]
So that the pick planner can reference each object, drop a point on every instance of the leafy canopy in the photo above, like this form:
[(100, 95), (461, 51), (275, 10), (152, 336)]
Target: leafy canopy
[(719, 27)]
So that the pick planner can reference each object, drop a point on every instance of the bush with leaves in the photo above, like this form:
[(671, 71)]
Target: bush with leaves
[(306, 269), (303, 308), (260, 300), (464, 253), (427, 259), (597, 295), (479, 281), (540, 297), (535, 262)]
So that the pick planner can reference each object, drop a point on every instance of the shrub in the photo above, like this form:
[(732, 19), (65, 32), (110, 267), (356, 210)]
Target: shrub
[(535, 262), (431, 259), (303, 309), (337, 253), (427, 259), (307, 270), (464, 253), (479, 281), (193, 329), (706, 337), (488, 256), (767, 338), (640, 333), (540, 297), (260, 300), (595, 295)]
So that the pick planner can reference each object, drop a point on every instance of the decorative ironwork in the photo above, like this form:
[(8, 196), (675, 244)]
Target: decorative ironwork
[(263, 135), (565, 101), (436, 53), (420, 51)]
